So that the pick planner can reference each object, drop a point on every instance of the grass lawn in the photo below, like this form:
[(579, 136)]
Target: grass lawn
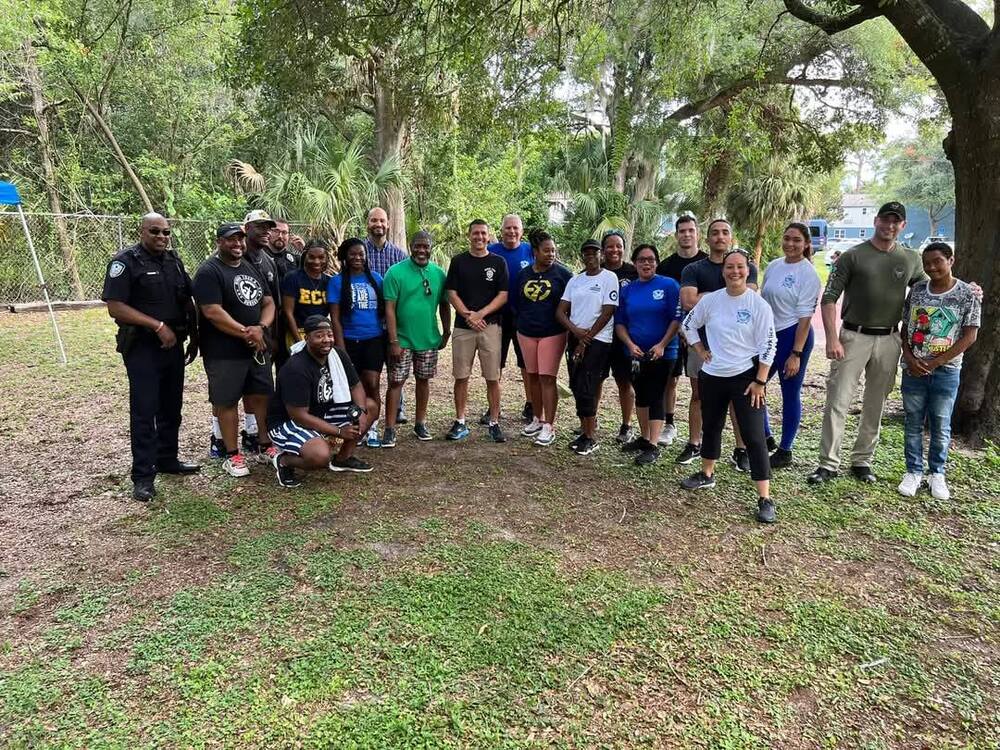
[(474, 595)]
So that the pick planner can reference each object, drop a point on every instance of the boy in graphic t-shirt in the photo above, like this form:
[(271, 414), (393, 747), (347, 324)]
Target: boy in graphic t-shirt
[(940, 321)]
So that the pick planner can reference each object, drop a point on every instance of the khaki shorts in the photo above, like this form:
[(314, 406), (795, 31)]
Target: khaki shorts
[(465, 344), (693, 363)]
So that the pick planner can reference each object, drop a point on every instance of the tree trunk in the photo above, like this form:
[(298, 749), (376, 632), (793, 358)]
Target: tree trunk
[(390, 132), (973, 147), (758, 244), (33, 80)]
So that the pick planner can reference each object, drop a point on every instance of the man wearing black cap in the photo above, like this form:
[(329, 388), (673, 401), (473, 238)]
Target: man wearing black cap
[(149, 295), (319, 398), (873, 278)]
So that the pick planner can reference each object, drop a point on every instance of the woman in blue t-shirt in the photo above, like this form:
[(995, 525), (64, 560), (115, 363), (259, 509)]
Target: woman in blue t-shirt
[(646, 322), (357, 311), (303, 291)]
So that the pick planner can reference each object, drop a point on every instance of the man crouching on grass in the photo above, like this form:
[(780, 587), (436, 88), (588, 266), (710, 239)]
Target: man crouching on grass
[(318, 400)]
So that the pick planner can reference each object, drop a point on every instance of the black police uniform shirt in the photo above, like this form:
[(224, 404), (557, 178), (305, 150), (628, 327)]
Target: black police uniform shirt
[(285, 262), (673, 266), (477, 281), (156, 285), (303, 381), (241, 291), (626, 274)]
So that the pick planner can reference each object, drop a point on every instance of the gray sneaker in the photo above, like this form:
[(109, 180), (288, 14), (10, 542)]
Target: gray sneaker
[(389, 437)]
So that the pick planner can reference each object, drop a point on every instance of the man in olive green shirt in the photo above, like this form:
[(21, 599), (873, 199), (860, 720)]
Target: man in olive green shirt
[(873, 277), (414, 299)]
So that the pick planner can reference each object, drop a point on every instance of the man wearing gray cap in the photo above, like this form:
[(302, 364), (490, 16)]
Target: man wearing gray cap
[(414, 300)]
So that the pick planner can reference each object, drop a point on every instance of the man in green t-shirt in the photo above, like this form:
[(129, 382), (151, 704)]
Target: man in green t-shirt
[(414, 299)]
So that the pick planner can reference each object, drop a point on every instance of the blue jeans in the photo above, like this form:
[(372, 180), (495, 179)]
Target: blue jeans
[(791, 388), (930, 398)]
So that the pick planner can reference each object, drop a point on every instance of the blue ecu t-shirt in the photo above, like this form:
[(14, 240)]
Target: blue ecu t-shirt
[(362, 322), (536, 298), (647, 308), (516, 259)]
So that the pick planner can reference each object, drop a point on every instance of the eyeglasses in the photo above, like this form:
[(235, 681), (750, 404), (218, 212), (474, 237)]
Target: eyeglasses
[(647, 259), (427, 287), (156, 232)]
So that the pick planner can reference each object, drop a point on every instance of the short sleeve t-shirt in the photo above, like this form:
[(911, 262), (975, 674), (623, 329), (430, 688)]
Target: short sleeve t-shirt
[(536, 299), (792, 290), (302, 381), (362, 321), (240, 291), (625, 273), (516, 259), (646, 310), (309, 294), (934, 322), (587, 295), (674, 266), (477, 281), (416, 303)]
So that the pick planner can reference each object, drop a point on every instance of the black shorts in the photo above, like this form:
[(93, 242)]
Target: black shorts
[(367, 354), (619, 362), (508, 336), (231, 379), (678, 368)]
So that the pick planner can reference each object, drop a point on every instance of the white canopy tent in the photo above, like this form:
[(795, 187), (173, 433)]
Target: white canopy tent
[(10, 197)]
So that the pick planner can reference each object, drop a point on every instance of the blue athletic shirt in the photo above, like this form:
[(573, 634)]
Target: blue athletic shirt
[(647, 308), (516, 259), (362, 322)]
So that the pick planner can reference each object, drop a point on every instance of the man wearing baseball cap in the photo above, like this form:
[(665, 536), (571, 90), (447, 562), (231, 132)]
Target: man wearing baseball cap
[(873, 278)]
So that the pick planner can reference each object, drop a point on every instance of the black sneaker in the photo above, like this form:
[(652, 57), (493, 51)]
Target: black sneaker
[(698, 481), (781, 459), (352, 463), (765, 510), (864, 474), (772, 444), (458, 431), (741, 460), (143, 491), (484, 420), (496, 434), (389, 437), (689, 454), (637, 445), (286, 474), (250, 442), (527, 413), (585, 446), (624, 434), (648, 456), (216, 448), (575, 441), (421, 431), (821, 475)]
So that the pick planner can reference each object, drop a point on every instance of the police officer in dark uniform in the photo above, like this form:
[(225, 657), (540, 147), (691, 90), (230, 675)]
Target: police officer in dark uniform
[(148, 293), (285, 262)]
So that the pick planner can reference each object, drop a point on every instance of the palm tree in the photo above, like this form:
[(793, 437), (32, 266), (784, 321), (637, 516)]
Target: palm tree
[(769, 194), (321, 180)]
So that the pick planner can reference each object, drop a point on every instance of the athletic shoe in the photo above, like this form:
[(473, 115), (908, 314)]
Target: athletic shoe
[(286, 474), (528, 413), (352, 463), (401, 417), (637, 445), (484, 419), (648, 456), (741, 460), (821, 475), (624, 434), (585, 446), (421, 431), (939, 487), (765, 510), (372, 441), (250, 442), (546, 435), (910, 484), (216, 448), (864, 474), (781, 458), (496, 434), (667, 435), (532, 428), (458, 431), (689, 454), (575, 441), (268, 454), (698, 481), (772, 444), (389, 437), (236, 465)]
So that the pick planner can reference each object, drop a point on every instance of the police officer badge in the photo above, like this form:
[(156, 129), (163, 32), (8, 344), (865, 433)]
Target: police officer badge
[(489, 274), (247, 290), (116, 269)]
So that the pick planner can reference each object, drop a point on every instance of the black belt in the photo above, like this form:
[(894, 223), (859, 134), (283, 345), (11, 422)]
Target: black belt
[(868, 331)]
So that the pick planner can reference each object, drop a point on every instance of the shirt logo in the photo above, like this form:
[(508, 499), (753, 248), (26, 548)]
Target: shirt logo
[(525, 264), (324, 389), (743, 317), (364, 298), (247, 290), (614, 295), (537, 289), (657, 294), (117, 269), (623, 283), (489, 274), (789, 281), (897, 272)]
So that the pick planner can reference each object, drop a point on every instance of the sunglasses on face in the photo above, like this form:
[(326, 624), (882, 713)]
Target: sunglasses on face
[(156, 232)]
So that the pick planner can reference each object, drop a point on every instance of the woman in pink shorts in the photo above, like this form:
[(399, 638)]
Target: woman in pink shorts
[(541, 337)]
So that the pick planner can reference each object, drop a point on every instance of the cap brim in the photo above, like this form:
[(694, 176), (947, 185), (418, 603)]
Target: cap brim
[(893, 213), (232, 232)]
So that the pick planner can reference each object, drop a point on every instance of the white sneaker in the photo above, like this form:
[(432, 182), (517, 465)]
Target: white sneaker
[(939, 487), (667, 435), (236, 466), (546, 435), (910, 484), (533, 427)]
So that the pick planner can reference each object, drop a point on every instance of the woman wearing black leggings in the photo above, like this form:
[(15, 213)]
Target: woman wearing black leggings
[(738, 351)]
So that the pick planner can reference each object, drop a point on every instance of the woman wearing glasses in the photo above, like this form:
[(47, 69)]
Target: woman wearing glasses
[(740, 326), (646, 323)]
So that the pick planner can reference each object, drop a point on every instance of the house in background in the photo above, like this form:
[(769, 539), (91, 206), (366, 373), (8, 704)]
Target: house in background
[(859, 209)]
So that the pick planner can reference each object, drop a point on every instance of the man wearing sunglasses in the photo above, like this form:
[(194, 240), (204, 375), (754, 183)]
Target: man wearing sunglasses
[(148, 293), (414, 300)]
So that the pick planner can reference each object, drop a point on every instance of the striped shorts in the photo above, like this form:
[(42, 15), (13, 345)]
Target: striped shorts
[(290, 436)]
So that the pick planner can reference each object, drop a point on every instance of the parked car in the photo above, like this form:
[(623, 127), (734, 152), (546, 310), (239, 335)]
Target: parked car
[(834, 250)]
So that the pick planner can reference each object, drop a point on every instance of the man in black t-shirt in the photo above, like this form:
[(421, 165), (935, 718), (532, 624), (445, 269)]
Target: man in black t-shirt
[(477, 286), (237, 309), (314, 403)]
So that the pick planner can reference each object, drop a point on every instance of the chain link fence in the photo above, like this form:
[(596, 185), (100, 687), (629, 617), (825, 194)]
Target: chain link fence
[(74, 250)]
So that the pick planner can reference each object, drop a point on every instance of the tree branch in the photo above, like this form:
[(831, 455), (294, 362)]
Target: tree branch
[(829, 23)]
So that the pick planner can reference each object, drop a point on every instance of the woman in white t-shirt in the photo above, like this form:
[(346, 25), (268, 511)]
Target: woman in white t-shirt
[(586, 310), (791, 287), (738, 352)]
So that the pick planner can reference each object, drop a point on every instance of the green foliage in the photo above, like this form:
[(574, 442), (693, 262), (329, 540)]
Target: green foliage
[(919, 173)]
